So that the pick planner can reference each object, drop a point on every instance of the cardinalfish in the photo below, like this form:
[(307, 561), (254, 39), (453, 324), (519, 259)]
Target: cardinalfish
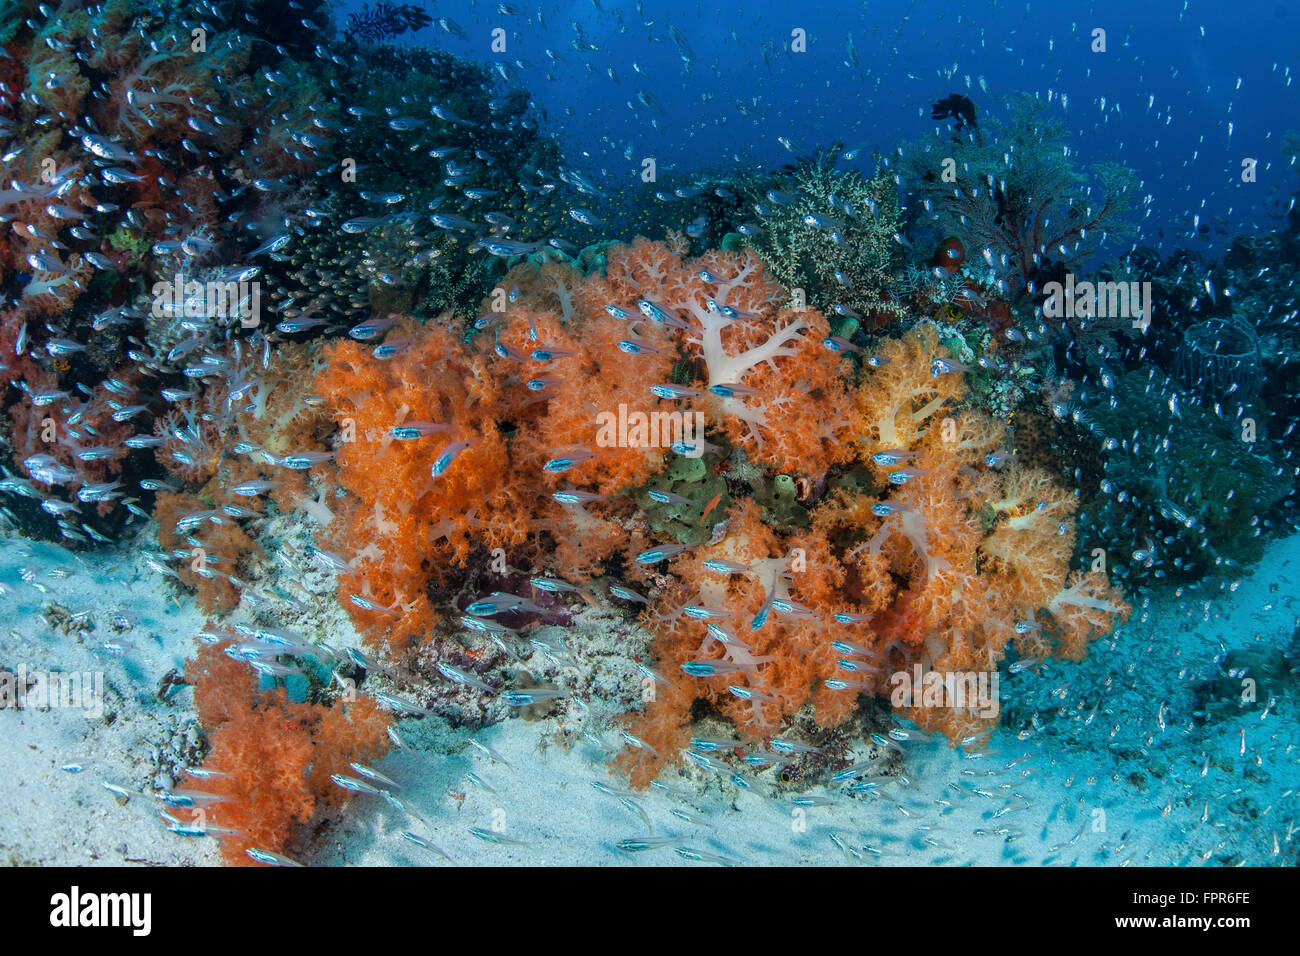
[(251, 489), (444, 460), (499, 603), (845, 664), (713, 668), (335, 562), (366, 604), (944, 366), (661, 553), (550, 353), (372, 329), (764, 612), (792, 608), (637, 347), (892, 456), (483, 625), (750, 694), (793, 747), (506, 352), (294, 326), (723, 566), (673, 392), (569, 458), (571, 496), (658, 314), (301, 461), (695, 449), (883, 509), (834, 343), (729, 312), (627, 594), (703, 613), (354, 784), (390, 349), (653, 674), (453, 673), (533, 695), (491, 836), (413, 430), (723, 636), (846, 617), (668, 497), (849, 647), (554, 586), (904, 475), (732, 391), (837, 683)]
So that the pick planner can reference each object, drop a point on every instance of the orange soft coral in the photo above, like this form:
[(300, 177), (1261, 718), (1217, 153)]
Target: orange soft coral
[(900, 398), (216, 545), (1086, 607), (790, 406), (790, 591), (274, 758), (935, 572), (583, 390), (404, 526)]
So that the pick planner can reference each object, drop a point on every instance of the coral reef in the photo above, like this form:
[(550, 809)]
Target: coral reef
[(830, 232), (299, 297), (942, 573)]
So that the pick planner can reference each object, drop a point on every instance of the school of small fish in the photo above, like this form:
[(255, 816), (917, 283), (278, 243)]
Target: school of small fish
[(252, 180)]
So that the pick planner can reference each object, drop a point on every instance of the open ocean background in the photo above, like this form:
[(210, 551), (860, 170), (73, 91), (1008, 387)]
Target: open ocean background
[(1184, 92)]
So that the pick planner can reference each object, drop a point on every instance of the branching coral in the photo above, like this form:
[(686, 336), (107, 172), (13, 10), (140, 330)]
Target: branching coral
[(830, 233)]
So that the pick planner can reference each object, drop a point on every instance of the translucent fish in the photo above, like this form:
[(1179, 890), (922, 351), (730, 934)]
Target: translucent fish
[(448, 455), (661, 553), (568, 459)]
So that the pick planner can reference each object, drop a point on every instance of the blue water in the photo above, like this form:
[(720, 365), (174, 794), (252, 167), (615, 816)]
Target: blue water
[(1183, 94)]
